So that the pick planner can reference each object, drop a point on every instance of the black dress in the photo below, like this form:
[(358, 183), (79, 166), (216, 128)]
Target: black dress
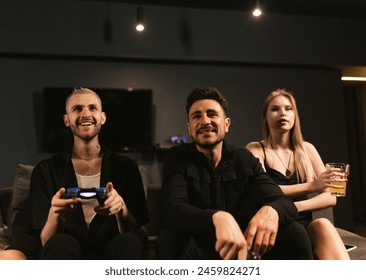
[(280, 179)]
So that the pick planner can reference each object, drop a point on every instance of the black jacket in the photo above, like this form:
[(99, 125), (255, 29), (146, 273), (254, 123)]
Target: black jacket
[(50, 175), (193, 191)]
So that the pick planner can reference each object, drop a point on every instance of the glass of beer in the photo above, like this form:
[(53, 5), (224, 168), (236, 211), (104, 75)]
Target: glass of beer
[(340, 179)]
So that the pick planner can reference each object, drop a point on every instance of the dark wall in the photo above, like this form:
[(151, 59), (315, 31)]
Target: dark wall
[(245, 88), (90, 28), (63, 43)]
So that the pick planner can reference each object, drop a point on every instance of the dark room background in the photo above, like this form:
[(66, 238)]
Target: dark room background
[(94, 44)]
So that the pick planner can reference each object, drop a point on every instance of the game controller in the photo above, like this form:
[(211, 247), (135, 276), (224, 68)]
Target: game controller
[(101, 194)]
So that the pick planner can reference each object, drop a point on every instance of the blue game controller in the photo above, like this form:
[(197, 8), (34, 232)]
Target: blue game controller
[(101, 194)]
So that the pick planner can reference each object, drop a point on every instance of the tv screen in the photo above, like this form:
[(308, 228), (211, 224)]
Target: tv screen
[(129, 125)]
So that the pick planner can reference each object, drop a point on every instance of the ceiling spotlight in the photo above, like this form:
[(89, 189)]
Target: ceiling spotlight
[(257, 11), (140, 19)]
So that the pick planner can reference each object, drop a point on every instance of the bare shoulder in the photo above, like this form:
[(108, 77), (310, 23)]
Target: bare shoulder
[(310, 148), (312, 153), (253, 146), (315, 158)]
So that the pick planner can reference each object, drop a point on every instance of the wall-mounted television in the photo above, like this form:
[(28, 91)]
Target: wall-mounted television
[(129, 125)]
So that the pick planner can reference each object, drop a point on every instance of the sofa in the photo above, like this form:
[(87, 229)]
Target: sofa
[(14, 210)]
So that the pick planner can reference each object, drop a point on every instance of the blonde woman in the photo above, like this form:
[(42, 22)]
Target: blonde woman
[(296, 166)]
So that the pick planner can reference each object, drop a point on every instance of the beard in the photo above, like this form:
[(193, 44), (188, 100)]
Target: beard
[(86, 136), (208, 146)]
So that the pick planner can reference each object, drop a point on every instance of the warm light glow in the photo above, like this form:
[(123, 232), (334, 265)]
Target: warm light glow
[(346, 78), (257, 12), (140, 27), (140, 19)]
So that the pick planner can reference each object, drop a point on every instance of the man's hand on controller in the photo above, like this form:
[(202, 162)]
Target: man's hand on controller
[(61, 208), (114, 203)]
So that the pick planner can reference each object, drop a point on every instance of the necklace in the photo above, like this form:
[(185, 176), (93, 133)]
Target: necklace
[(287, 172), (87, 159)]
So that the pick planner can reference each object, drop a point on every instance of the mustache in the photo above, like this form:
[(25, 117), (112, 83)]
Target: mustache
[(86, 119), (206, 127)]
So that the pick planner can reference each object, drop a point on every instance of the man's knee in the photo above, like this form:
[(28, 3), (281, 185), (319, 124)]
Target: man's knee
[(61, 247), (127, 246)]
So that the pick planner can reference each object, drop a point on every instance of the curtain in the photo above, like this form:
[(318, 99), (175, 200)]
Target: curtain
[(355, 108)]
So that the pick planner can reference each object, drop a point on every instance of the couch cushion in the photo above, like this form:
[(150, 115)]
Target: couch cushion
[(22, 178), (5, 200), (6, 196), (4, 237), (354, 239), (143, 174), (21, 240)]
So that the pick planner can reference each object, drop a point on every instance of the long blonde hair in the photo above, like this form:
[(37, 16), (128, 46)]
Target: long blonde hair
[(303, 164)]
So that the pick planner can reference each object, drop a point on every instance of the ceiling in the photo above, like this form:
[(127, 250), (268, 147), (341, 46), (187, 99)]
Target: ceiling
[(322, 8), (347, 9)]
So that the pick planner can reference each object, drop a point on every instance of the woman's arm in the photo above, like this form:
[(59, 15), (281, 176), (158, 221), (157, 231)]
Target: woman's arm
[(323, 198), (318, 202), (319, 185)]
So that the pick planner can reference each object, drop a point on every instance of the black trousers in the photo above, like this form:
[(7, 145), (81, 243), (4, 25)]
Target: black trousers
[(292, 243), (125, 246)]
